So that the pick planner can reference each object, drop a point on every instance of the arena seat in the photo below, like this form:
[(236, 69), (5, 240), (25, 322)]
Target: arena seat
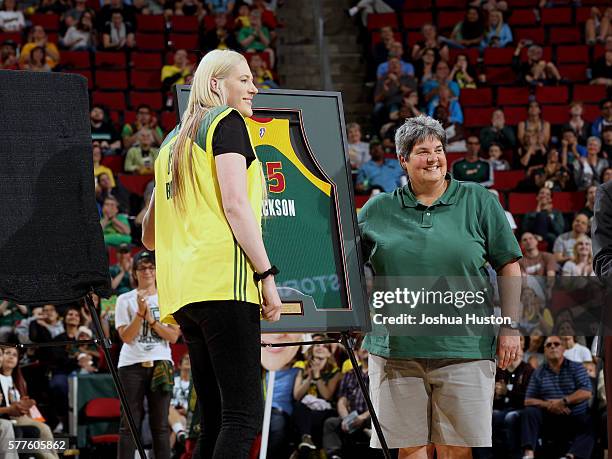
[(573, 72), (145, 79), (410, 5), (168, 121), (536, 34), (375, 37), (556, 16), (507, 180), (114, 162), (183, 41), (498, 56), (150, 41), (49, 22), (477, 116), (143, 61), (111, 100), (560, 35), (86, 73), (378, 20), (520, 17), (360, 200), (151, 23), (582, 13), (471, 53), (514, 115), (415, 19), (446, 20), (571, 54), (521, 203), (555, 114), (499, 75), (589, 92), (107, 59), (477, 97), (591, 112), (135, 184), (152, 99), (569, 201), (14, 36), (103, 409), (413, 36), (517, 95), (111, 79), (184, 24), (552, 94), (75, 60), (451, 4)]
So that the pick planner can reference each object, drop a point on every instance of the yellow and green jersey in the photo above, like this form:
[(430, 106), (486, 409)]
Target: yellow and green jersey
[(197, 257)]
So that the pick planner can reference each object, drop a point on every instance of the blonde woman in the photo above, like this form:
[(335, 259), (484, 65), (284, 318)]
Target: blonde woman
[(204, 222), (497, 33), (581, 263)]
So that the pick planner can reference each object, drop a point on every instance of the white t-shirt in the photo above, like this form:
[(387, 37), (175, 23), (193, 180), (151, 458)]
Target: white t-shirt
[(11, 21), (7, 384), (147, 345), (578, 353), (180, 392)]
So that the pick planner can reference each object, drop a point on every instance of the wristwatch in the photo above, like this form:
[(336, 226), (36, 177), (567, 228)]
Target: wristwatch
[(512, 326), (565, 401), (272, 271)]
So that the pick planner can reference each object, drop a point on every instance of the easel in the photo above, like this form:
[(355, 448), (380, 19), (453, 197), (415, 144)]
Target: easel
[(349, 344)]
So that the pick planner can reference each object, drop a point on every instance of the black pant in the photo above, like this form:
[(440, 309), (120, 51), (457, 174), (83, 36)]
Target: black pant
[(136, 381), (310, 422), (224, 341), (577, 429)]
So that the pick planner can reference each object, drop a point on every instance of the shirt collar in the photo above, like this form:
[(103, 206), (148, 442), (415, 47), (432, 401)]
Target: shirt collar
[(448, 198)]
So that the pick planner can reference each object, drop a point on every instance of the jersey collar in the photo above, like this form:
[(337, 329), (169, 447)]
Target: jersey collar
[(448, 198)]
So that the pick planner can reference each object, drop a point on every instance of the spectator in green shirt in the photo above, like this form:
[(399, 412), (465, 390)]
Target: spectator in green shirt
[(120, 272), (256, 38), (115, 226), (472, 168), (437, 226)]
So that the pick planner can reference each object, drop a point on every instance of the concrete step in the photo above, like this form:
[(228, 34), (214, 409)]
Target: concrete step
[(291, 71)]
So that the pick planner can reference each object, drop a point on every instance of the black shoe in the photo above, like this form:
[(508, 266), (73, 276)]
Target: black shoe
[(307, 445)]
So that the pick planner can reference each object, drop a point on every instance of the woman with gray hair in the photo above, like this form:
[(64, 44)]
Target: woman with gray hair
[(437, 391), (588, 171)]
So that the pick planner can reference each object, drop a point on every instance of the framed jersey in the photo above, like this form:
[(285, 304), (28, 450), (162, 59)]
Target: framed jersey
[(309, 222)]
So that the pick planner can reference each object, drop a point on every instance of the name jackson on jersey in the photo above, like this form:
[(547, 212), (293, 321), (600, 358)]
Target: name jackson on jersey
[(278, 208)]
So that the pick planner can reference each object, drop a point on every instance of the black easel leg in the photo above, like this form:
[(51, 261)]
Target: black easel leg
[(124, 403), (346, 342)]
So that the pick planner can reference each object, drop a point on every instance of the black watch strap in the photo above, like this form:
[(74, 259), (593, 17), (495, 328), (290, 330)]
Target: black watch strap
[(272, 271)]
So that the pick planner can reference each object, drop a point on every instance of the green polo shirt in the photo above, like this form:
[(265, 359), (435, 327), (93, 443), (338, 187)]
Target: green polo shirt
[(456, 236)]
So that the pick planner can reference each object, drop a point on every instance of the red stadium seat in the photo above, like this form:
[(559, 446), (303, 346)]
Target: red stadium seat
[(476, 97), (410, 5), (151, 23), (168, 121), (450, 4), (185, 24), (536, 34), (512, 96), (135, 184), (477, 117), (452, 157), (110, 60), (448, 19), (555, 114), (556, 16), (75, 60), (86, 73), (178, 350), (559, 35), (375, 37), (184, 41), (360, 200), (568, 202), (591, 112), (111, 100), (551, 94), (111, 79), (153, 99), (145, 79), (415, 19), (514, 115), (598, 51), (471, 53), (378, 20), (143, 61), (589, 92), (524, 3), (521, 203), (115, 163), (500, 75), (49, 22), (522, 17), (573, 72), (507, 180), (15, 36), (150, 42), (413, 37), (572, 54), (498, 56), (582, 14)]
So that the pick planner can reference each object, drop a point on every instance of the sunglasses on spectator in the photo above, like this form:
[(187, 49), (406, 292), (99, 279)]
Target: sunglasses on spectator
[(552, 344)]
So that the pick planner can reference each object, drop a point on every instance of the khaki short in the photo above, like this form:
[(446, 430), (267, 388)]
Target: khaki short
[(441, 401)]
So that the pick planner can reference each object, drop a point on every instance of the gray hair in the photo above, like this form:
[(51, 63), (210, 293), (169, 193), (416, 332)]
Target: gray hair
[(595, 139), (417, 130)]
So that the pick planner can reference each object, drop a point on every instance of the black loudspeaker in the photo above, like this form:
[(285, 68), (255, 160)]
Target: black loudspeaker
[(51, 242)]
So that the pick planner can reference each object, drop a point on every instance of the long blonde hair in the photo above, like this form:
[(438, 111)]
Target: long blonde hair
[(217, 64)]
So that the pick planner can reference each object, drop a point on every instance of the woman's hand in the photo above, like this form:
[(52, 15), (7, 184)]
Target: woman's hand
[(271, 307)]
